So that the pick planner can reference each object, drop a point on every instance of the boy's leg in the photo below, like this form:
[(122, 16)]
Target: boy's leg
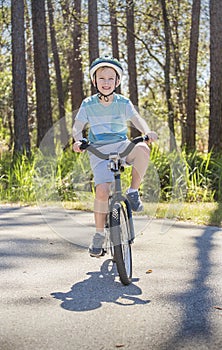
[(139, 158), (100, 212), (101, 206)]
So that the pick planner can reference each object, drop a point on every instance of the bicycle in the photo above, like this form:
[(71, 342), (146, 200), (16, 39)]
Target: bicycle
[(119, 221)]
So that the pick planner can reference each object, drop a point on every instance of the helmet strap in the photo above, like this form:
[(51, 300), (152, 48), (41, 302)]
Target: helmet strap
[(106, 97)]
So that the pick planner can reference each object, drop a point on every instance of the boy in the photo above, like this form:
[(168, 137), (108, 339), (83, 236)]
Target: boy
[(107, 114)]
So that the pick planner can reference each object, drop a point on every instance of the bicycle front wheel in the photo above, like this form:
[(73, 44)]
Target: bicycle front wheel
[(121, 242)]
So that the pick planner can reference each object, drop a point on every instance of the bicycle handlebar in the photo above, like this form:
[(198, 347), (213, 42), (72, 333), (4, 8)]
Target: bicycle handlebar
[(86, 145)]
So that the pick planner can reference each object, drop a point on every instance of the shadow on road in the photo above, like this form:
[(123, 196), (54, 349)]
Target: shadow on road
[(99, 288), (197, 301)]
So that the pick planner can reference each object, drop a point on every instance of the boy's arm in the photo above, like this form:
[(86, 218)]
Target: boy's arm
[(142, 126), (77, 134), (77, 130)]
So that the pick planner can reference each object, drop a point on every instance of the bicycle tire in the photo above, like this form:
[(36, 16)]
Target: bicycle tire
[(120, 240)]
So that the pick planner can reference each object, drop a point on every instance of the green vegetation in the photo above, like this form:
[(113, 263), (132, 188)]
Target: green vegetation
[(186, 187), (177, 185)]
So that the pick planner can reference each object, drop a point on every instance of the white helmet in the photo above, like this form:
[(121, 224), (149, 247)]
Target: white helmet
[(106, 61)]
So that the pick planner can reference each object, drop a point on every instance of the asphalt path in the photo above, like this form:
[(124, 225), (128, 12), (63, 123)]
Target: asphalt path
[(54, 296)]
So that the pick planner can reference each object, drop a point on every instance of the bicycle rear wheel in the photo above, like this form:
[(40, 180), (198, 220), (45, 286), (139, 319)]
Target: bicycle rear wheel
[(121, 243)]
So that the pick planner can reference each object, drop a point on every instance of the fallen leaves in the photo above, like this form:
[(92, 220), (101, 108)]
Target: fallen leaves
[(125, 301), (218, 307)]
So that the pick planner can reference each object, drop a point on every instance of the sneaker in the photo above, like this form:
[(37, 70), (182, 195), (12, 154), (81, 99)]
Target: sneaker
[(135, 201), (96, 248)]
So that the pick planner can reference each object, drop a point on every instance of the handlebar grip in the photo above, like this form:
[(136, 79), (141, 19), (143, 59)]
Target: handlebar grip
[(84, 145), (140, 139)]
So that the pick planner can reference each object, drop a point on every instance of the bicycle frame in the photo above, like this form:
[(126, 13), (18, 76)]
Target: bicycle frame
[(116, 167), (120, 220)]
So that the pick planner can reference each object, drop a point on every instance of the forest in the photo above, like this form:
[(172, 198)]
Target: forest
[(171, 52)]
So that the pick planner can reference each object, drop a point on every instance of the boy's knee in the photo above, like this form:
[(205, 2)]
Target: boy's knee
[(140, 154), (142, 151), (102, 192)]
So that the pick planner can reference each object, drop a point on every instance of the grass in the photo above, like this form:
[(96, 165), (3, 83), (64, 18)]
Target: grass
[(196, 213), (185, 187)]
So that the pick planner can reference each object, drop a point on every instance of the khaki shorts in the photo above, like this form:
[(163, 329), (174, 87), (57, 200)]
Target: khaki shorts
[(100, 167)]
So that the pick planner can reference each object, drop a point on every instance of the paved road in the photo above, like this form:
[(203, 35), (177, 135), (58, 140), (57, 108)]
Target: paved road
[(54, 296)]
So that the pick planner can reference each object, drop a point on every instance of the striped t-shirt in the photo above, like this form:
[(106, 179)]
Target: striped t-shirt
[(107, 124)]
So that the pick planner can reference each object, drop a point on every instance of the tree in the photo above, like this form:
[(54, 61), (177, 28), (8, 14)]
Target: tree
[(131, 58), (192, 77), (61, 104), (178, 29), (131, 52), (167, 76), (215, 121), (114, 28), (76, 71), (43, 93), (20, 104), (114, 32), (93, 33), (30, 70)]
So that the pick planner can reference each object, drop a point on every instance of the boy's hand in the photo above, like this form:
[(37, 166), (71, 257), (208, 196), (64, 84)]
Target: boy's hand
[(152, 136), (76, 147)]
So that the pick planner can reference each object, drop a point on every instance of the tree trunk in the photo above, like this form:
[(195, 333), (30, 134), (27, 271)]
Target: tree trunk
[(131, 57), (76, 71), (93, 33), (215, 122), (63, 129), (192, 77), (30, 70), (180, 80), (43, 94), (68, 52), (114, 29), (167, 77), (114, 32), (20, 104)]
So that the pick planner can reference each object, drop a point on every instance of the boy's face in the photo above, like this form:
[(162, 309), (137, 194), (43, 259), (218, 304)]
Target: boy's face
[(106, 79)]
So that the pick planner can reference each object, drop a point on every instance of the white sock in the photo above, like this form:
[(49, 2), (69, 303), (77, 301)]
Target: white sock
[(130, 190), (101, 233)]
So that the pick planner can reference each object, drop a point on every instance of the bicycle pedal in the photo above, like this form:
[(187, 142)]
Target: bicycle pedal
[(104, 251)]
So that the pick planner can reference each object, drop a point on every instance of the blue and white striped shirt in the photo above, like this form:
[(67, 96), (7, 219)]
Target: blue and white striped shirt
[(107, 124)]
